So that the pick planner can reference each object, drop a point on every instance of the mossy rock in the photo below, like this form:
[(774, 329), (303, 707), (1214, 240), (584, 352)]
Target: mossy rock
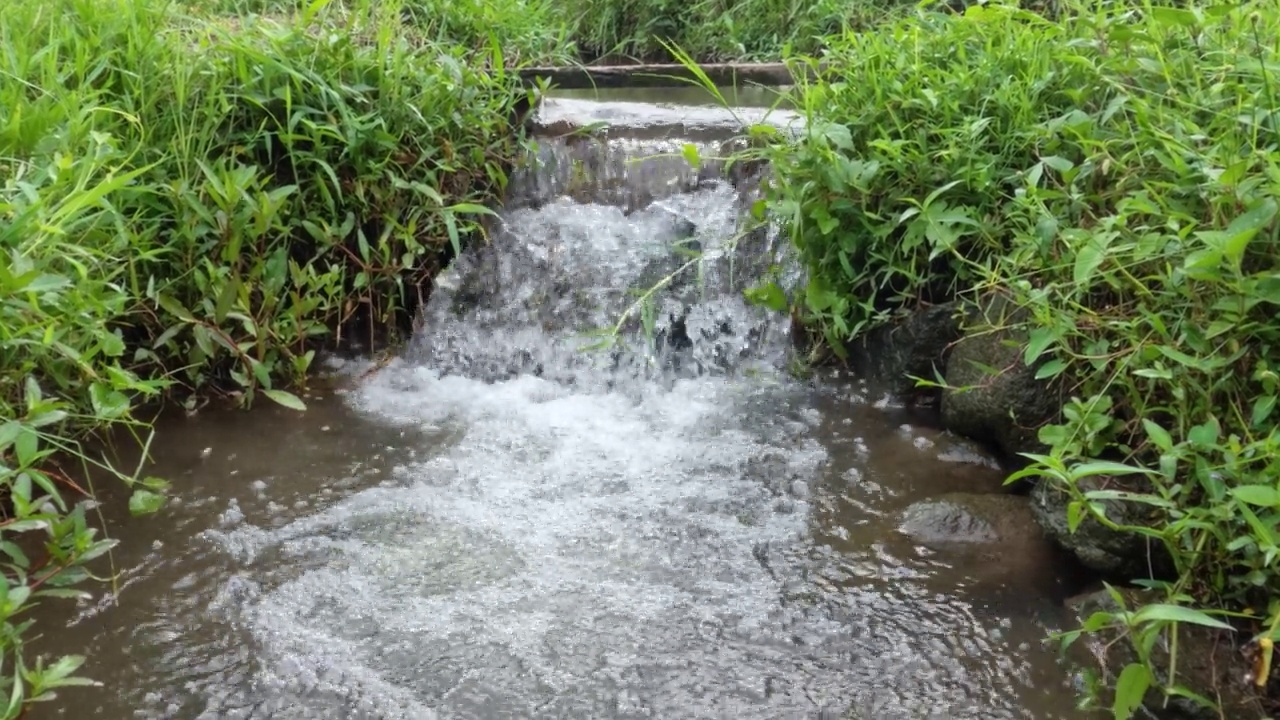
[(993, 396), (915, 346), (1127, 556)]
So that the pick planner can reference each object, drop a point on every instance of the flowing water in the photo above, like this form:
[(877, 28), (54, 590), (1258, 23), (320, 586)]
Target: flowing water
[(501, 524)]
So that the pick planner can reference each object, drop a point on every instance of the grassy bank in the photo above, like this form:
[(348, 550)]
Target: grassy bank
[(1115, 173), (191, 204)]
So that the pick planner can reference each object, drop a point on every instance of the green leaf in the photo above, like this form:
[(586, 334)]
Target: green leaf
[(1242, 230), (1041, 338), (1088, 257), (1174, 16), (203, 339), (112, 345), (173, 307), (1133, 497), (768, 295), (27, 447), (1107, 467), (18, 596), (32, 392), (9, 432), (471, 209), (451, 226), (97, 550), (839, 136), (1261, 495), (1154, 373), (1262, 409), (1164, 612), (1205, 434), (44, 283), (15, 553), (1053, 368), (145, 502), (230, 289), (690, 152), (1075, 514), (1158, 435), (107, 403), (69, 576), (64, 593), (63, 668), (26, 526), (1131, 688), (286, 399)]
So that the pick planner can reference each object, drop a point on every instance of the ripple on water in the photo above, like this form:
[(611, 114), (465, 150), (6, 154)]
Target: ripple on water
[(594, 555)]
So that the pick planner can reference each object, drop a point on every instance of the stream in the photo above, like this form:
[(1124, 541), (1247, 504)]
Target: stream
[(505, 523)]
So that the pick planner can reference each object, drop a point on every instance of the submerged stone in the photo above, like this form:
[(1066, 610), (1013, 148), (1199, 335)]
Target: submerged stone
[(993, 543), (967, 518)]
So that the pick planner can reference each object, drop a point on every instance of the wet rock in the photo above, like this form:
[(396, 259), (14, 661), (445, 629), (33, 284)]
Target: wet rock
[(992, 396), (1209, 662), (967, 519), (1099, 548), (916, 346), (995, 550)]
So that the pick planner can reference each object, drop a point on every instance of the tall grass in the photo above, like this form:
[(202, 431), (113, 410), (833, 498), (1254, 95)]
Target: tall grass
[(193, 203), (711, 30), (1115, 173)]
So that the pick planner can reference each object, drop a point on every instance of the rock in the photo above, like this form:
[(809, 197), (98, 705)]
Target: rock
[(1005, 409), (915, 346), (991, 547), (965, 518), (1209, 663), (1125, 555)]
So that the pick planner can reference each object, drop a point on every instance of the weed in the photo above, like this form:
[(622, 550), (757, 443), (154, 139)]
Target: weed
[(1115, 173), (194, 204), (712, 29)]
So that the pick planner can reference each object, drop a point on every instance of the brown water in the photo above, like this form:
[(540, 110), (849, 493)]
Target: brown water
[(501, 525)]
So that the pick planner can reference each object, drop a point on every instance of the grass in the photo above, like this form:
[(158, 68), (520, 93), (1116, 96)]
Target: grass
[(713, 29), (191, 205), (1114, 172)]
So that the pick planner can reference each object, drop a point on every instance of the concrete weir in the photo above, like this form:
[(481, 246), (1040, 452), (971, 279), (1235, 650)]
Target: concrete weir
[(660, 75)]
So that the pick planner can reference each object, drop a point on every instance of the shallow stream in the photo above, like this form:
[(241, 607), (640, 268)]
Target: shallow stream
[(501, 524)]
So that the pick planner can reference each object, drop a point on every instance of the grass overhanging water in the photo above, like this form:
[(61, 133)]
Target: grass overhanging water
[(1110, 176), (195, 197)]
